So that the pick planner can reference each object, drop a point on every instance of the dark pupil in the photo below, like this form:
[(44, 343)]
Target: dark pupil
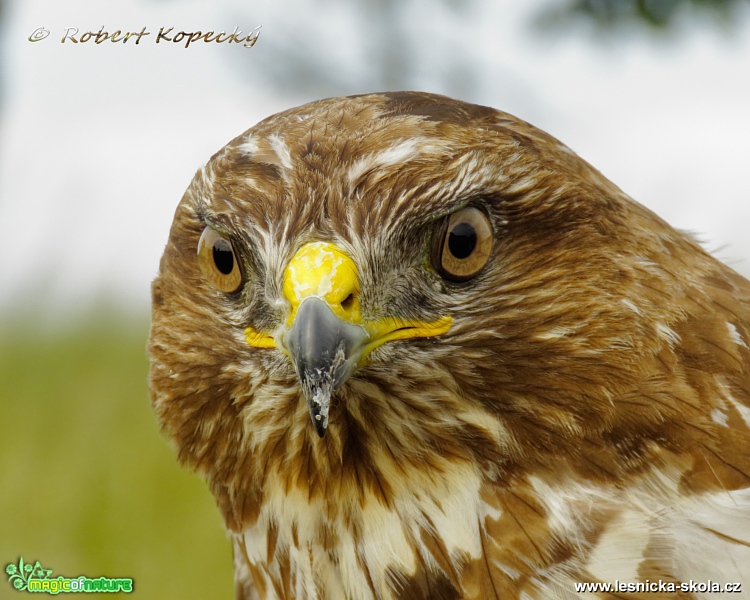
[(223, 257), (462, 240)]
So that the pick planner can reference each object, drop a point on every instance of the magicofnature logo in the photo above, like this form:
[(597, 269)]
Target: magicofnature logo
[(26, 577)]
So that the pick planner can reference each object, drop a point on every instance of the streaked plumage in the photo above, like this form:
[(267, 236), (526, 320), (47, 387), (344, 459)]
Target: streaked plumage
[(577, 410)]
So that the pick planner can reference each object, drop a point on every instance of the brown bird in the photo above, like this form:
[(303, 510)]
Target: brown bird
[(419, 348)]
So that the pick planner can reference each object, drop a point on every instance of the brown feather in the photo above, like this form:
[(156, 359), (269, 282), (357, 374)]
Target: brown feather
[(597, 372)]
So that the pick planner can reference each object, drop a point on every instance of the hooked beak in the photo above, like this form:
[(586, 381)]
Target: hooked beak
[(325, 351), (325, 334)]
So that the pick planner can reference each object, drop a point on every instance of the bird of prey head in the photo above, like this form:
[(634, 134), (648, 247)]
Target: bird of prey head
[(419, 348)]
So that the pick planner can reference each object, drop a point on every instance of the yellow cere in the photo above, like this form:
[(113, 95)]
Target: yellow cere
[(322, 270)]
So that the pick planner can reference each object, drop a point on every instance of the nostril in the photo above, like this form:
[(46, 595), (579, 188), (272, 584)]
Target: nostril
[(348, 302)]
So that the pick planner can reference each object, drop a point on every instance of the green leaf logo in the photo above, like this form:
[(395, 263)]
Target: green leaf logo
[(19, 575)]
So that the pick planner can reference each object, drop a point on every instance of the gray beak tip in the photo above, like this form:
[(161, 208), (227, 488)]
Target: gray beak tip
[(324, 352), (319, 429), (319, 401)]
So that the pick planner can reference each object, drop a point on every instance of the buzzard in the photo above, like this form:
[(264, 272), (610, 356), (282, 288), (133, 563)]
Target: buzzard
[(419, 349)]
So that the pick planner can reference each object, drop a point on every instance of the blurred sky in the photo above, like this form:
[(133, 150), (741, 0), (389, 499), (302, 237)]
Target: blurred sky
[(98, 142)]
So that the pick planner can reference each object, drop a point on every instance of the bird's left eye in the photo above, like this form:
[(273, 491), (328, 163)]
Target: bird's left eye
[(217, 261), (461, 244)]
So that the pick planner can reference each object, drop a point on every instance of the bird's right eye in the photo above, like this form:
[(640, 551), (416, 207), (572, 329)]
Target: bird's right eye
[(218, 262)]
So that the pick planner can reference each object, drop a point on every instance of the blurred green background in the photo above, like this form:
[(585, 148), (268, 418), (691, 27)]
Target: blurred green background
[(90, 486)]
